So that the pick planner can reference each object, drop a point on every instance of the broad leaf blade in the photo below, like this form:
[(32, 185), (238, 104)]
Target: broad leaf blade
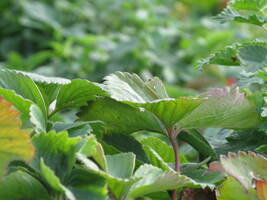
[(20, 185), (14, 143), (222, 109), (119, 117)]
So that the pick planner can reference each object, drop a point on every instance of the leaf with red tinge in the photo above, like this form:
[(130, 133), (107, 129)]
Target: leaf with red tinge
[(14, 143), (261, 188)]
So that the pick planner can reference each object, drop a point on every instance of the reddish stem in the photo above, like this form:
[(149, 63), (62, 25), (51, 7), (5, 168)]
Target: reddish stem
[(172, 137)]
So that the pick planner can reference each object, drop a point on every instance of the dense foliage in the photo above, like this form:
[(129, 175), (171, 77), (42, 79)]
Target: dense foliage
[(124, 138)]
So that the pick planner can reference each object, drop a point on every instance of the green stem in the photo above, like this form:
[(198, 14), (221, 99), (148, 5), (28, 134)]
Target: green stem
[(172, 137)]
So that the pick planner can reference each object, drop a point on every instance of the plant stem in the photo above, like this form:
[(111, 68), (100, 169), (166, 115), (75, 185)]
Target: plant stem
[(172, 137)]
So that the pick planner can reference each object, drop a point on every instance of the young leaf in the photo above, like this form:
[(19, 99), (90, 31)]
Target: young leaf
[(20, 185), (245, 167), (14, 143), (222, 109)]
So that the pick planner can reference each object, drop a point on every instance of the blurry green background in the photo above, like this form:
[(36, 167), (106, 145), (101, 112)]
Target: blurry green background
[(92, 38)]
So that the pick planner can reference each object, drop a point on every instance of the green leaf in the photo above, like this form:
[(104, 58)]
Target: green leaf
[(87, 186), (253, 57), (57, 150), (162, 149), (119, 117), (222, 109), (245, 167), (171, 111), (38, 119), (20, 185), (252, 5), (124, 86), (202, 176), (48, 86), (229, 14), (45, 79), (226, 56), (155, 180), (155, 159), (233, 141), (121, 165), (230, 187), (21, 104), (198, 142), (76, 128), (118, 186), (54, 181), (126, 143), (77, 93), (14, 143), (250, 55), (23, 86), (150, 95)]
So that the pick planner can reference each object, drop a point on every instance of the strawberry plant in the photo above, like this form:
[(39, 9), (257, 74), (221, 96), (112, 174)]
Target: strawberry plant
[(64, 139)]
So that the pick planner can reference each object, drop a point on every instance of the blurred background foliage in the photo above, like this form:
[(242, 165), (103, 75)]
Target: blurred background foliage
[(90, 39)]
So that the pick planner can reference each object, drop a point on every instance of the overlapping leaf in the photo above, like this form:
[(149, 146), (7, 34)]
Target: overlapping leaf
[(226, 109), (14, 143), (245, 167), (23, 86)]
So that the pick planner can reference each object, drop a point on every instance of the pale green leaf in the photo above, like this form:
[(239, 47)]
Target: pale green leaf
[(245, 167), (38, 119), (222, 109)]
